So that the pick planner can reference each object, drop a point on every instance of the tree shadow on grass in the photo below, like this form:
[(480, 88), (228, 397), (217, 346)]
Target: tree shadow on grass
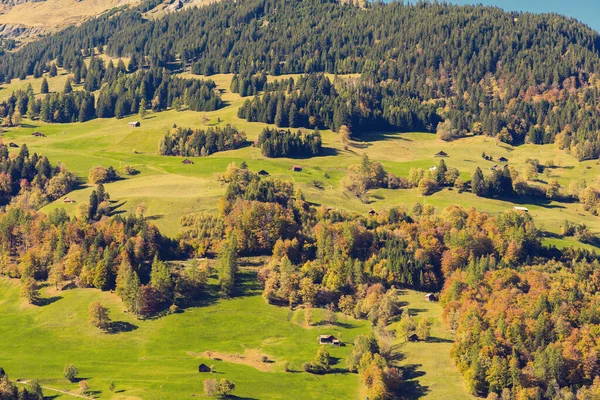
[(47, 301), (411, 388), (120, 326), (438, 340)]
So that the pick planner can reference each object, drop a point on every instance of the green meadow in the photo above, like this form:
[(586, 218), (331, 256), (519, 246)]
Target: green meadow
[(168, 189), (158, 358)]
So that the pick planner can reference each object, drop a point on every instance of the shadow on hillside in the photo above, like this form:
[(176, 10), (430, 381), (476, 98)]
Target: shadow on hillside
[(120, 326), (47, 301), (154, 217), (411, 388), (114, 210), (336, 324), (438, 340)]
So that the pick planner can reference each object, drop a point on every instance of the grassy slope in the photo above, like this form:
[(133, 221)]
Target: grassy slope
[(54, 15), (158, 358), (170, 189), (429, 371)]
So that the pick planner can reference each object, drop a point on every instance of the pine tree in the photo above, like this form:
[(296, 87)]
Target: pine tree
[(93, 207), (227, 264), (128, 285), (53, 71), (142, 110), (68, 88), (161, 281), (478, 182), (44, 89)]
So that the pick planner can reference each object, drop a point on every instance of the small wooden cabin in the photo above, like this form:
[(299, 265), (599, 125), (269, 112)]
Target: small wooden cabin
[(373, 213), (187, 161), (13, 144), (329, 339), (204, 368), (262, 172), (431, 297), (503, 159), (134, 124), (523, 209), (38, 134), (441, 154), (413, 338), (68, 200), (296, 168)]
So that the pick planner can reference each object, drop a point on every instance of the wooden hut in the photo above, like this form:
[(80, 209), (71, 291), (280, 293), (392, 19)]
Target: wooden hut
[(503, 159), (441, 154), (329, 339), (187, 161), (204, 368), (431, 297), (262, 172), (296, 168), (13, 144), (38, 134), (134, 124)]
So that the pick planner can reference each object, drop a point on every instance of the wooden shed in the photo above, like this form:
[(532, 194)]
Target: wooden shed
[(329, 339), (296, 168), (38, 134), (134, 124), (187, 161), (13, 144), (262, 172), (204, 368), (503, 159), (431, 297), (441, 154)]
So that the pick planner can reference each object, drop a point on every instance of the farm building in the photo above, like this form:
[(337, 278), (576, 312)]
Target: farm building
[(523, 209), (38, 134), (329, 339), (204, 368), (296, 168), (431, 297), (187, 161), (68, 200), (441, 154), (134, 124), (13, 144), (372, 212), (262, 172), (413, 338), (503, 159)]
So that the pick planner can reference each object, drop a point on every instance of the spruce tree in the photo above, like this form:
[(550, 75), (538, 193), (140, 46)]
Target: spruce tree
[(128, 285), (227, 264), (44, 89), (161, 281)]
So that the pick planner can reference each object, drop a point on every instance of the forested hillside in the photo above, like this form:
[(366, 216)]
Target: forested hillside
[(282, 155), (520, 77)]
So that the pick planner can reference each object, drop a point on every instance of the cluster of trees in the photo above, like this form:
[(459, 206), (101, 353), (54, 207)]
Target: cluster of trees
[(120, 94), (10, 391), (280, 143), (314, 101), (527, 333), (249, 84), (187, 142), (372, 359), (505, 88), (30, 181)]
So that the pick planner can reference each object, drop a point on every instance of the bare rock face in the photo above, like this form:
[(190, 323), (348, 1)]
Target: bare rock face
[(18, 32)]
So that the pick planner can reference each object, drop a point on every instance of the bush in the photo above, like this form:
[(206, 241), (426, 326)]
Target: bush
[(70, 372)]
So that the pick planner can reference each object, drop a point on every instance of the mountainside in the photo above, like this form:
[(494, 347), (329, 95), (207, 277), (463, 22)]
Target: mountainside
[(523, 78), (25, 20)]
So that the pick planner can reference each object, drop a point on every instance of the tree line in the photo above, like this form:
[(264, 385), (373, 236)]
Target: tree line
[(280, 143), (187, 142)]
